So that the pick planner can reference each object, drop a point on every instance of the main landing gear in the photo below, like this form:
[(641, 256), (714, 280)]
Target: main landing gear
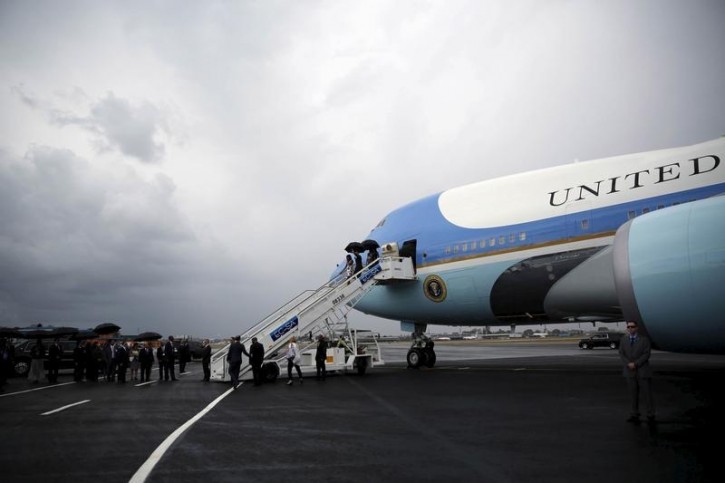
[(421, 352)]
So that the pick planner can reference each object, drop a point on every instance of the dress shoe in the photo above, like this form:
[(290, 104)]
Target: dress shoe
[(633, 419)]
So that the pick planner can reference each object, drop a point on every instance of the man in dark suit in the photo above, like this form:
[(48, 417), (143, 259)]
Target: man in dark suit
[(634, 351), (234, 358), (55, 352), (169, 358), (109, 359), (146, 359), (121, 360), (160, 360), (256, 358), (321, 357), (184, 355), (206, 359)]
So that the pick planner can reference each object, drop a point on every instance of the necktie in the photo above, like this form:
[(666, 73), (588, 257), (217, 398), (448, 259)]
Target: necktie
[(631, 341)]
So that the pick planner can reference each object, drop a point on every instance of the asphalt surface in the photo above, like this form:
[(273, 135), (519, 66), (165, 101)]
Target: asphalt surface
[(512, 412)]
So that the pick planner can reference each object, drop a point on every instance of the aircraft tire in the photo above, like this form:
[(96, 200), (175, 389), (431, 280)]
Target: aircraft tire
[(415, 358)]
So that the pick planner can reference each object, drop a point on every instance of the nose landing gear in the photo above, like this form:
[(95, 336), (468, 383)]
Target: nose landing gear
[(421, 352)]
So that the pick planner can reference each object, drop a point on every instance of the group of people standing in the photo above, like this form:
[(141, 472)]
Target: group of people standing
[(256, 359), (111, 360)]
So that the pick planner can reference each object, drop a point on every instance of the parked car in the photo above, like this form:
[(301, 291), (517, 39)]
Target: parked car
[(601, 339), (21, 364)]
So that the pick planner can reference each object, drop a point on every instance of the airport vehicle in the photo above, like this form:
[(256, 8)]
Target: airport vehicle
[(601, 339), (633, 237), (21, 363)]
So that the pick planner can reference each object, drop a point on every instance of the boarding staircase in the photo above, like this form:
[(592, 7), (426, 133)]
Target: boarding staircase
[(311, 313)]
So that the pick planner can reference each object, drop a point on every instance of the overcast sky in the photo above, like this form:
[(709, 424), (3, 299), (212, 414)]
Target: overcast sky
[(187, 167)]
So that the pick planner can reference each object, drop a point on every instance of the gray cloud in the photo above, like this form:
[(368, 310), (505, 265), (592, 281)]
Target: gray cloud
[(71, 244), (135, 130), (118, 124)]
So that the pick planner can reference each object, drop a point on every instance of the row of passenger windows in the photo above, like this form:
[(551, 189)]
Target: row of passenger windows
[(521, 236), (633, 213), (482, 244)]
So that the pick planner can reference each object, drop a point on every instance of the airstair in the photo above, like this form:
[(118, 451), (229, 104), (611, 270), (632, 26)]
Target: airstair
[(315, 312)]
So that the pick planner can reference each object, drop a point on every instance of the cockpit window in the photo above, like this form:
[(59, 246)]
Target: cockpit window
[(381, 223)]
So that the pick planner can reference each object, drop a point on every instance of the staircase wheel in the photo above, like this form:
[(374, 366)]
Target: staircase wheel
[(270, 371)]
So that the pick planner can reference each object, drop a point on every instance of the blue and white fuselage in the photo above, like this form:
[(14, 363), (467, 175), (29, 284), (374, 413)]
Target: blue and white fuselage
[(639, 236)]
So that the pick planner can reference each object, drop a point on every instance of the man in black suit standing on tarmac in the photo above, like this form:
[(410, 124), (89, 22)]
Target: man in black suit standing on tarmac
[(634, 351), (121, 360), (206, 360), (169, 358), (55, 352), (234, 358), (256, 358), (146, 358)]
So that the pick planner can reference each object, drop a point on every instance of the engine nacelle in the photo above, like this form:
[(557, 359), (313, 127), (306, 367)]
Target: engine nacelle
[(669, 270)]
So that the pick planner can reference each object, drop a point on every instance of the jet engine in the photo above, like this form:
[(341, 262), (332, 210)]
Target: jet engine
[(669, 273)]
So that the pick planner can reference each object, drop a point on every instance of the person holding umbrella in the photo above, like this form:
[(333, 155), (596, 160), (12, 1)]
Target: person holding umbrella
[(358, 259), (372, 248), (349, 265)]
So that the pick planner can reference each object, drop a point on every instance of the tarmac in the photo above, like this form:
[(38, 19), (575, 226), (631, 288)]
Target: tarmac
[(487, 412)]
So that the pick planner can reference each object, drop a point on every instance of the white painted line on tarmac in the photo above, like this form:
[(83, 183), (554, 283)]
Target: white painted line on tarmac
[(145, 470), (65, 407), (144, 383), (36, 389)]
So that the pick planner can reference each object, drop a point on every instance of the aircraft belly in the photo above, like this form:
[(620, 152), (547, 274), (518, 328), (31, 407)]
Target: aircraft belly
[(520, 290)]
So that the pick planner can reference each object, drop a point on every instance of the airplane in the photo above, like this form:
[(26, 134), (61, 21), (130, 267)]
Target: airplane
[(632, 237)]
